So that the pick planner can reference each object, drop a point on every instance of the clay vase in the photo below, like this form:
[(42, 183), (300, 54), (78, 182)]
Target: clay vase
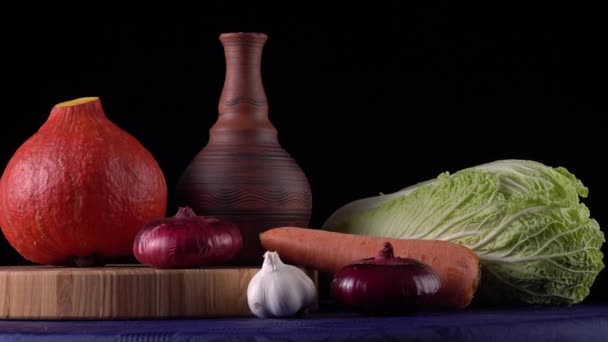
[(243, 174)]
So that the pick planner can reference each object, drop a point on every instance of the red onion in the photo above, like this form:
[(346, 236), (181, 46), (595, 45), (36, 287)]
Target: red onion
[(187, 240), (385, 284)]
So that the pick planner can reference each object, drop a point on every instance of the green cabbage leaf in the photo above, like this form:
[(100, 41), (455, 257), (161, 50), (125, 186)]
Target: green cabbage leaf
[(535, 239)]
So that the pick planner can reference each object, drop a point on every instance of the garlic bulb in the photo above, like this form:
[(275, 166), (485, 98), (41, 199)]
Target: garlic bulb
[(279, 290)]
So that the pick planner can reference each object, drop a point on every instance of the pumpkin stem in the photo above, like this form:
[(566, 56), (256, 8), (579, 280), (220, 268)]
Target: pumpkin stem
[(77, 109), (77, 101)]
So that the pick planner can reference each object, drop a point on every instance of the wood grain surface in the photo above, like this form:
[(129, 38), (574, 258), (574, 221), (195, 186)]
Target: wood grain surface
[(124, 292)]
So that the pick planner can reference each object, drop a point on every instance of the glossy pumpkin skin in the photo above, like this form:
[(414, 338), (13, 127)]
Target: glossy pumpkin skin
[(78, 190)]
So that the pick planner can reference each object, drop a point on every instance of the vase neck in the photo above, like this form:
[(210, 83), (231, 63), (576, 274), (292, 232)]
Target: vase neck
[(243, 106)]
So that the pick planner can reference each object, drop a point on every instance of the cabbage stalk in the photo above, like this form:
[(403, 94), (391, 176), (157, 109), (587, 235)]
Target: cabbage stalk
[(536, 241)]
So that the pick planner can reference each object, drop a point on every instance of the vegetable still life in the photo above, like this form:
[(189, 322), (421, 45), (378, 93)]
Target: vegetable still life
[(82, 193)]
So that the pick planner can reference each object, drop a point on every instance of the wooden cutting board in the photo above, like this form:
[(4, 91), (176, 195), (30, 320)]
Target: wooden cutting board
[(124, 292)]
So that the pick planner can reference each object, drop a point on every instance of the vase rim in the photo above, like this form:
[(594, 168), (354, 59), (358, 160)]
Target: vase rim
[(243, 36)]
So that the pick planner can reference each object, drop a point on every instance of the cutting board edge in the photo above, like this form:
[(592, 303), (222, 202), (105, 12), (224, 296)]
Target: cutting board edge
[(22, 287)]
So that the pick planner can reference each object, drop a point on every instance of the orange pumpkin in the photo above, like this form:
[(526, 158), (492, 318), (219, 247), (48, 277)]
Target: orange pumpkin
[(78, 190)]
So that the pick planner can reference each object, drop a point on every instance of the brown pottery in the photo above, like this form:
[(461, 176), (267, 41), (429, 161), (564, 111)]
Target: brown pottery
[(243, 174)]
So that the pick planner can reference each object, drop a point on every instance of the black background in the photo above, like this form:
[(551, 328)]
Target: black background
[(367, 99)]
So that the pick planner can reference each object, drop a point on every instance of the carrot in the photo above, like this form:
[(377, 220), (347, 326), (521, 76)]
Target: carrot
[(457, 266)]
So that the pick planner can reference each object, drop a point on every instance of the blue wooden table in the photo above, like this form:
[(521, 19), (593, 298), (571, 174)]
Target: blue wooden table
[(576, 323)]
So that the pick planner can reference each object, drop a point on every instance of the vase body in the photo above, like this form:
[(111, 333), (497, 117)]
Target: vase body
[(243, 174)]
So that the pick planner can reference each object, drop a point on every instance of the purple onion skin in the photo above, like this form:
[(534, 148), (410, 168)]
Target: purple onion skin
[(186, 241), (386, 285)]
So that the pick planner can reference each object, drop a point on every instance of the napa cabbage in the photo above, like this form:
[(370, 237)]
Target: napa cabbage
[(536, 241)]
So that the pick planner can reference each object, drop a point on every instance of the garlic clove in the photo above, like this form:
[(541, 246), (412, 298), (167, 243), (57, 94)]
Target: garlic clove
[(279, 290)]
